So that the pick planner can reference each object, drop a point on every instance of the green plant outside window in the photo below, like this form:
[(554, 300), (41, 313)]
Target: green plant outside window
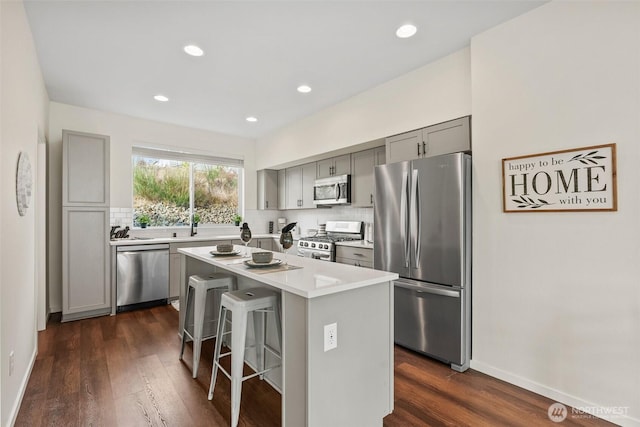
[(171, 192)]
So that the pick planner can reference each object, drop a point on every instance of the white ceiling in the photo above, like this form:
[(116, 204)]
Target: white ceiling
[(116, 55)]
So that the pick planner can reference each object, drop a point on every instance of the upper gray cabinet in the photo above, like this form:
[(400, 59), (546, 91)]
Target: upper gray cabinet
[(406, 146), (85, 169), (267, 189), (363, 164), (340, 165), (448, 137), (299, 182), (282, 189)]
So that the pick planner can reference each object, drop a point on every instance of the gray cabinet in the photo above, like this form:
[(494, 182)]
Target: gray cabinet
[(339, 165), (86, 272), (282, 189), (86, 280), (361, 257), (406, 146), (299, 186), (174, 262), (267, 189), (85, 169), (362, 170), (265, 244), (449, 137)]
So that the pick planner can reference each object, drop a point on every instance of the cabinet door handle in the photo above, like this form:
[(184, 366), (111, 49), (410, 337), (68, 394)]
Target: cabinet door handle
[(266, 204), (418, 144), (371, 198), (424, 148)]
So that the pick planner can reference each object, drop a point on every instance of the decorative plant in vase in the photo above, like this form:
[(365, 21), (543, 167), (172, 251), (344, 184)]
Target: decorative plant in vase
[(144, 220), (236, 219), (196, 219)]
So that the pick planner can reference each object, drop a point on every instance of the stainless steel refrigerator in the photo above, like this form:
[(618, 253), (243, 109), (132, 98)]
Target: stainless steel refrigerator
[(422, 220)]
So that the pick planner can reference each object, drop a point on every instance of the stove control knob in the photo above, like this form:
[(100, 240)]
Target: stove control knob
[(306, 244), (326, 246), (313, 245)]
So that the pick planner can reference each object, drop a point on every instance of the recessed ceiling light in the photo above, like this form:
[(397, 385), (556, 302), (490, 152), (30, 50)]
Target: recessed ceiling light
[(406, 31), (193, 50), (252, 119), (304, 89), (161, 98)]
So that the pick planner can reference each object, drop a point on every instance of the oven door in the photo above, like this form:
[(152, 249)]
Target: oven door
[(335, 190)]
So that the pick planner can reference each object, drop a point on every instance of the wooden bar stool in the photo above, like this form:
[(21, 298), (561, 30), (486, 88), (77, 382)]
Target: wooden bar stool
[(256, 301), (197, 291)]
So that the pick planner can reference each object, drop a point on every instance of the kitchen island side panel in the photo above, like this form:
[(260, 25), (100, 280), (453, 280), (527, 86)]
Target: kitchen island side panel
[(351, 385), (294, 359)]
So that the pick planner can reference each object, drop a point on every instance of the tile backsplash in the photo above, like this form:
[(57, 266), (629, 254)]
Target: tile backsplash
[(308, 219), (121, 216)]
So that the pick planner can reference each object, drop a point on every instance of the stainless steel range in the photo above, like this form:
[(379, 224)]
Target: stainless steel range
[(323, 246)]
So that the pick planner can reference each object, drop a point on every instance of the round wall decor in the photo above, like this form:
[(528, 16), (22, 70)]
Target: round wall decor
[(23, 183)]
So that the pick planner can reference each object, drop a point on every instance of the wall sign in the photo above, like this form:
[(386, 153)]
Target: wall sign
[(580, 179)]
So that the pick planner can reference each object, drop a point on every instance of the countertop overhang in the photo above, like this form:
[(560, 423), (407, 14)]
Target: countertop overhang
[(316, 278), (197, 238)]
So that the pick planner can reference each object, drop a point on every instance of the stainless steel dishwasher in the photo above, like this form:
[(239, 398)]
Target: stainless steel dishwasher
[(142, 276)]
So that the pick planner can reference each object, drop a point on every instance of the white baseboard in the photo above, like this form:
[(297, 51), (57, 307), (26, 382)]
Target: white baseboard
[(23, 388), (553, 394)]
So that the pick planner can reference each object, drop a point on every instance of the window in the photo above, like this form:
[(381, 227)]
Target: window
[(170, 188)]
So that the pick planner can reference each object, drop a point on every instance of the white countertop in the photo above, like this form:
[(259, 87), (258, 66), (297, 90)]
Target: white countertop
[(356, 244), (196, 238), (316, 278)]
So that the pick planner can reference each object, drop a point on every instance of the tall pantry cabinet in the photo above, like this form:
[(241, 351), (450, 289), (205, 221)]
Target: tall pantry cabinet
[(86, 284)]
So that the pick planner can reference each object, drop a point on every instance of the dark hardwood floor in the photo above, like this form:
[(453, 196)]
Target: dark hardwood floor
[(124, 371)]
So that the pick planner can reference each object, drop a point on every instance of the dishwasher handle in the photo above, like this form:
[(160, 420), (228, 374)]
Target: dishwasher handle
[(141, 252), (142, 248), (429, 289)]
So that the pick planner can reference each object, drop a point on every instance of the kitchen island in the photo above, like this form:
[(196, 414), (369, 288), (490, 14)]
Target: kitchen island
[(350, 385)]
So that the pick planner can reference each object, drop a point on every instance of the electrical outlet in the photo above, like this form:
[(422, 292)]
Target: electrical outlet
[(330, 336), (11, 363)]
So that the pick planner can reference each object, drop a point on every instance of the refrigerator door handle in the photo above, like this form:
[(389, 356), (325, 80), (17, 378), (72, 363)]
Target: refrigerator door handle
[(425, 290), (416, 215), (337, 191), (403, 216)]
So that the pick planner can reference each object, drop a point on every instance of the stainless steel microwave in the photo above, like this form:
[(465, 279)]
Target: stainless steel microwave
[(335, 190)]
